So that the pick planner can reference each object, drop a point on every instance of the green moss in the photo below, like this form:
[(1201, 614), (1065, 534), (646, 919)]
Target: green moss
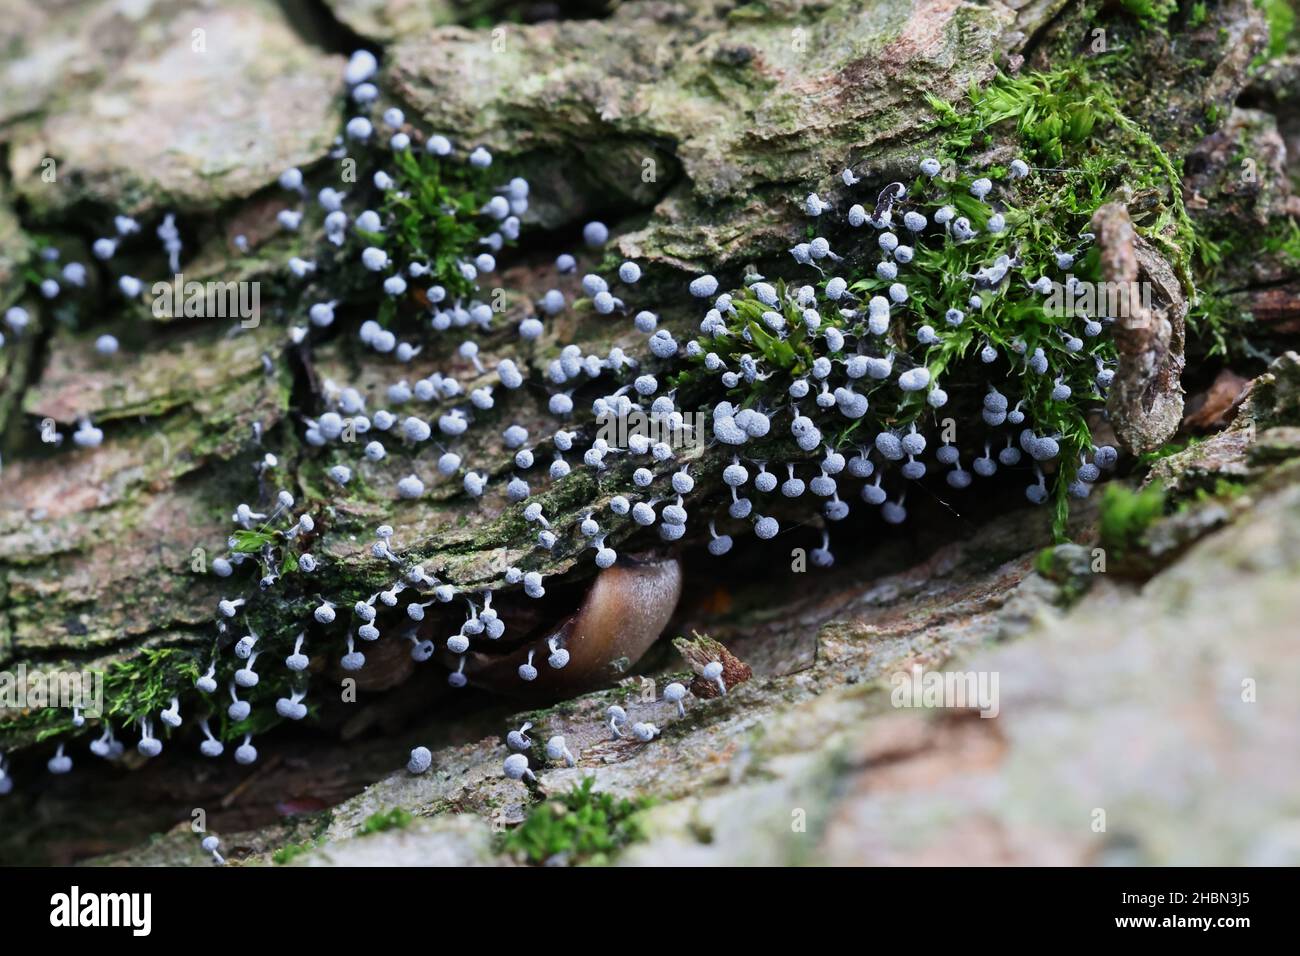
[(1070, 118), (1169, 448), (1285, 241), (1070, 567), (1216, 315), (581, 826), (287, 854), (1126, 515), (251, 542), (1223, 490), (1045, 561), (1069, 126), (317, 824), (1151, 12), (146, 683), (385, 820), (135, 687), (435, 216), (1281, 16)]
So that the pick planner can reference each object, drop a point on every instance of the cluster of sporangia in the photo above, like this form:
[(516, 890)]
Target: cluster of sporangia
[(865, 359), (557, 749), (855, 358)]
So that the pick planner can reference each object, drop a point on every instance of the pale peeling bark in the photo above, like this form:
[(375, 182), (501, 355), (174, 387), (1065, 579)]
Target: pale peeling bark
[(1146, 399)]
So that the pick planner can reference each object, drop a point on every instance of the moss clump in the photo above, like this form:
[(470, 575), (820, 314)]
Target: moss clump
[(1168, 449), (1007, 333), (1126, 514), (145, 684), (1285, 241), (1068, 565), (1068, 125), (287, 854), (1069, 121), (1281, 18), (317, 825), (1223, 490), (136, 687), (581, 826), (435, 216), (1217, 314), (382, 821), (1151, 12)]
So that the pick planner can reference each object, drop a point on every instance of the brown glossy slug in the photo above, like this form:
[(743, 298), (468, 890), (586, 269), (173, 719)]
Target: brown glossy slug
[(624, 611)]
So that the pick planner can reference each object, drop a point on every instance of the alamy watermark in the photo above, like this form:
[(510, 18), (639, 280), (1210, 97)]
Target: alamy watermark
[(208, 300), (965, 690), (1116, 300), (133, 911), (25, 688), (676, 429)]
